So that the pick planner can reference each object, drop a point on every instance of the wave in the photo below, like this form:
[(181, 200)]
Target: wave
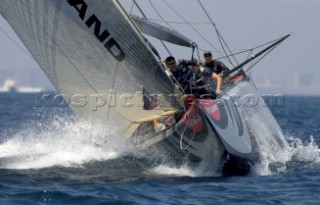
[(66, 142)]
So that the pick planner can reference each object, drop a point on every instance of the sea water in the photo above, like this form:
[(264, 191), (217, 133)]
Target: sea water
[(48, 157)]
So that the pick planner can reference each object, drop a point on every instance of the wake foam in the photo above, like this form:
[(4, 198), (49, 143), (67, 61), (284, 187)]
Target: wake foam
[(62, 143), (298, 154), (69, 143), (277, 153), (182, 171)]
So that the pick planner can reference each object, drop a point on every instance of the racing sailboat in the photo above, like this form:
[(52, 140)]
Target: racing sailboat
[(95, 53)]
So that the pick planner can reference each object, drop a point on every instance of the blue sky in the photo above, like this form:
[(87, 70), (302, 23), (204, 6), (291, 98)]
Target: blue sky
[(243, 24)]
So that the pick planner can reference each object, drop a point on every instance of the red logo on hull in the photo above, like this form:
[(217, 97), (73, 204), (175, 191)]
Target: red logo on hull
[(212, 108)]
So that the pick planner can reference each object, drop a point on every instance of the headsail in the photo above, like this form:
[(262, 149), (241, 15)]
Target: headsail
[(92, 54)]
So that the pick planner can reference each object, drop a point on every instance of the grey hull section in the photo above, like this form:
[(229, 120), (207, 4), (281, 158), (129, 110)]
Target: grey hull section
[(241, 119)]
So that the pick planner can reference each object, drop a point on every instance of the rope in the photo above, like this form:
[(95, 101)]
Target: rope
[(181, 136)]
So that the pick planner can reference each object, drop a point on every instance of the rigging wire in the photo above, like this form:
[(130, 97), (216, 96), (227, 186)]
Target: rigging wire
[(158, 13), (251, 49), (131, 8), (223, 43), (251, 66), (15, 42), (168, 23), (193, 28), (137, 5), (259, 54), (198, 53), (175, 81), (163, 44), (249, 55), (220, 38)]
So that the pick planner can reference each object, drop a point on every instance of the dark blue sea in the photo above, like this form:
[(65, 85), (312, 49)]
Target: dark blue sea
[(48, 157)]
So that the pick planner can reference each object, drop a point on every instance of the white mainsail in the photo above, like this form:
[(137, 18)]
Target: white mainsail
[(93, 54)]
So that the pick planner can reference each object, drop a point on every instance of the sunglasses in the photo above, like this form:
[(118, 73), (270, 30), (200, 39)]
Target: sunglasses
[(207, 55)]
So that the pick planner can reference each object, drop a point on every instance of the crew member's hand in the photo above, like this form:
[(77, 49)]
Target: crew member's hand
[(218, 91)]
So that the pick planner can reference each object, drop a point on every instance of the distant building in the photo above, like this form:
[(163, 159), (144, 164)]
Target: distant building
[(295, 80), (306, 80)]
